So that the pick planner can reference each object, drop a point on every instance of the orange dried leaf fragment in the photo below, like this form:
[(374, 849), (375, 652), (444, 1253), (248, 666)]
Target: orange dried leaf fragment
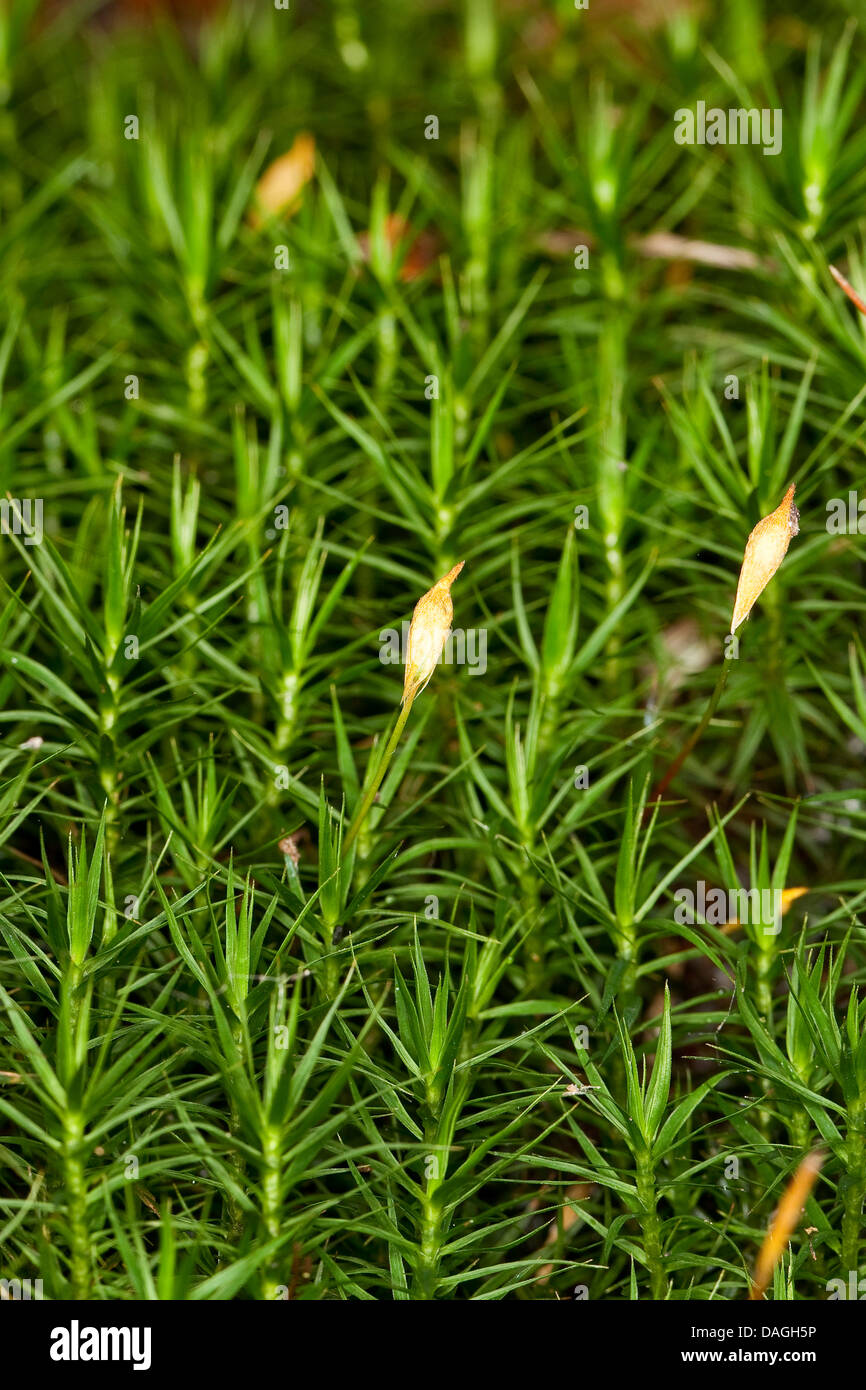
[(848, 288), (421, 251), (784, 1222)]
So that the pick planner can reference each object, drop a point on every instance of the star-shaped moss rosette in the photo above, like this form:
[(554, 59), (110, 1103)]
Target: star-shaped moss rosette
[(428, 633)]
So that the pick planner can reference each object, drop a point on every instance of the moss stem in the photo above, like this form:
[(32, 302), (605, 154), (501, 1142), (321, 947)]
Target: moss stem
[(370, 795)]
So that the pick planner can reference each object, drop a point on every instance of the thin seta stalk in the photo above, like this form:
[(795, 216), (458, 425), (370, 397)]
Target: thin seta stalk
[(765, 550), (370, 795), (695, 737)]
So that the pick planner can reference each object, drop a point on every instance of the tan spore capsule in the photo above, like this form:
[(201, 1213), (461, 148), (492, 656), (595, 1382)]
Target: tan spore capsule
[(281, 186), (765, 550), (428, 633)]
